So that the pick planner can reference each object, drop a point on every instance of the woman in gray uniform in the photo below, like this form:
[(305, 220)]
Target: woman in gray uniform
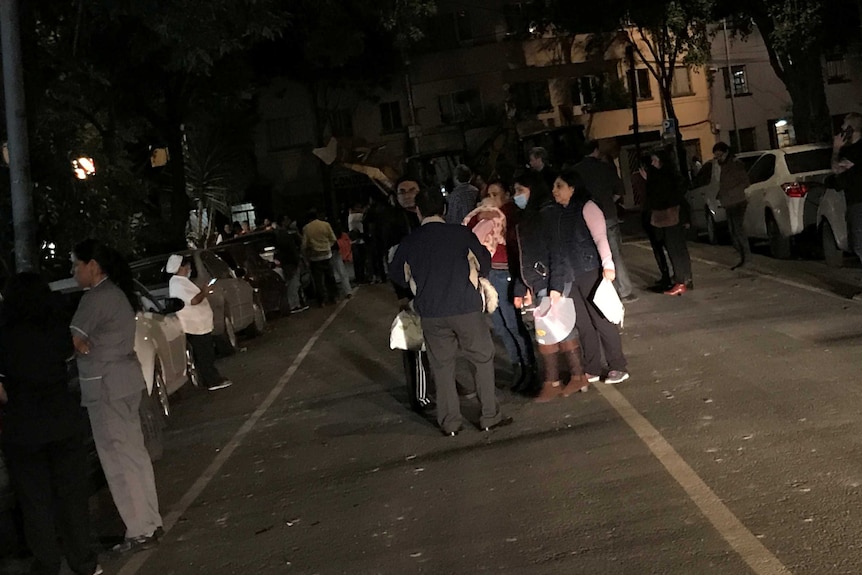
[(103, 332)]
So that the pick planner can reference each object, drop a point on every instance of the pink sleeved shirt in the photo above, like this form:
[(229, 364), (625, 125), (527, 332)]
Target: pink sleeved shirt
[(595, 219)]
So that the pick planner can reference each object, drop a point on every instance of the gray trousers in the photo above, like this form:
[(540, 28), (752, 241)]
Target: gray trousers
[(120, 443), (615, 238), (444, 336)]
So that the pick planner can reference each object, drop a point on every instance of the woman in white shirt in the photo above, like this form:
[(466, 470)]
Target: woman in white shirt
[(196, 317)]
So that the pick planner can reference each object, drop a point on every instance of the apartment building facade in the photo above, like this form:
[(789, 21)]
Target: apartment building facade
[(750, 100), (484, 89)]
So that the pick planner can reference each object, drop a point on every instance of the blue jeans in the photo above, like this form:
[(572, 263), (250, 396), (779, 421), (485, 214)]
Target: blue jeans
[(507, 323)]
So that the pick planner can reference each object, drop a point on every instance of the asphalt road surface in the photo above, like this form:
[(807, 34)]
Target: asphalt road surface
[(733, 449)]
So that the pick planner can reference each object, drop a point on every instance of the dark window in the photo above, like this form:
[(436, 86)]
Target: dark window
[(644, 85), (342, 123), (444, 35), (749, 161), (152, 275), (739, 82), (681, 83), (460, 106), (836, 68), (809, 160), (390, 116), (532, 97), (747, 140), (516, 22), (215, 266), (585, 90), (463, 26), (763, 169)]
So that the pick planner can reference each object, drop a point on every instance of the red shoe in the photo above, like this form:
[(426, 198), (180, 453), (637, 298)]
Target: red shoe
[(677, 289)]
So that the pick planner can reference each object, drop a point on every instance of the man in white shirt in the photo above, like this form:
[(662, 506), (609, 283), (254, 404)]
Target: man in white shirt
[(196, 317)]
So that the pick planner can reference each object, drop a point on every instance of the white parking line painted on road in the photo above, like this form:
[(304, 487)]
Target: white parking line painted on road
[(731, 529), (136, 561), (750, 270)]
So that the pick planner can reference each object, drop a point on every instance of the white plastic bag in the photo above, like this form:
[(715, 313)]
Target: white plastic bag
[(406, 332), (554, 321), (608, 302)]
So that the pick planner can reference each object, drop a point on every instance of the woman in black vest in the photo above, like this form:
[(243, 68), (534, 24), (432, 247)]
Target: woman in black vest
[(541, 270), (583, 240)]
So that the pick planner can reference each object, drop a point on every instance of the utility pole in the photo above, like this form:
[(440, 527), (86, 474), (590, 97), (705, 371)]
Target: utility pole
[(23, 221)]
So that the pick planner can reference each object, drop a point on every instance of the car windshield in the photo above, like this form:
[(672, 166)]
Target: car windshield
[(809, 161)]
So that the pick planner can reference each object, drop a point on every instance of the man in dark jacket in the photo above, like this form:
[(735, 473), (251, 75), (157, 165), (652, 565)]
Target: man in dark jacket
[(441, 263), (396, 224), (464, 196), (732, 182)]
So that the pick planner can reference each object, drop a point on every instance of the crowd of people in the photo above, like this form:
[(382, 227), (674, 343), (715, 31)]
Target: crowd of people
[(545, 235)]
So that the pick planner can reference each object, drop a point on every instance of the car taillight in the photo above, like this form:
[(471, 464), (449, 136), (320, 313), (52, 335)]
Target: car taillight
[(795, 190)]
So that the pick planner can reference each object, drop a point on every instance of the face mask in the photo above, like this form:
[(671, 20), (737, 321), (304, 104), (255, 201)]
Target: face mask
[(521, 201)]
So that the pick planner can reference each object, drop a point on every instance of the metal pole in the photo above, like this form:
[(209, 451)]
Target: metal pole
[(731, 86), (23, 222)]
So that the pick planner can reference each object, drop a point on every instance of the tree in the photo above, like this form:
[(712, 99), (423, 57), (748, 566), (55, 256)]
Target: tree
[(797, 33), (663, 33), (344, 52)]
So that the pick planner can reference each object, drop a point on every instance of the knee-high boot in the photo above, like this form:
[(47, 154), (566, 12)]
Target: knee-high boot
[(551, 387), (577, 380)]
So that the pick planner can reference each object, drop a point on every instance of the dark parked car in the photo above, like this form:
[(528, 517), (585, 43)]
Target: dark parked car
[(246, 262), (281, 250)]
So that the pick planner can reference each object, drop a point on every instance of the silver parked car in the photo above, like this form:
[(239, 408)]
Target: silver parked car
[(236, 304)]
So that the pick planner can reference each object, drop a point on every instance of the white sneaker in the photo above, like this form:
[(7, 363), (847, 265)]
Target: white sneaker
[(593, 378), (615, 376)]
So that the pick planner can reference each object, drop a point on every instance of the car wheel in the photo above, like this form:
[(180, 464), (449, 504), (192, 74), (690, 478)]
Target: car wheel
[(711, 229), (257, 326), (152, 425), (192, 368), (779, 246), (832, 254), (227, 343)]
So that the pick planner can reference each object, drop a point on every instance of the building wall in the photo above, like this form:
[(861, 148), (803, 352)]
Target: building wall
[(767, 100)]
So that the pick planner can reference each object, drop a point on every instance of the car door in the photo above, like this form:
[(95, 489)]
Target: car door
[(238, 294), (698, 194), (761, 175), (166, 330)]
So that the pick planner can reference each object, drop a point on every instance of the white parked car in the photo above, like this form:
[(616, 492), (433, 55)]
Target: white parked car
[(707, 215), (785, 192)]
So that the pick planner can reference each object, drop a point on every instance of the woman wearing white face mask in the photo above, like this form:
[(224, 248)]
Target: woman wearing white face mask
[(494, 222), (541, 270)]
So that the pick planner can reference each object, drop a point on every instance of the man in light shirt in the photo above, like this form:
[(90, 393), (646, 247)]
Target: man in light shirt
[(196, 317)]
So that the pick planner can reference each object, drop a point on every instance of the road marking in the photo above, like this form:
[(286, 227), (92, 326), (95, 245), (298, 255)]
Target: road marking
[(731, 529), (760, 274), (134, 564)]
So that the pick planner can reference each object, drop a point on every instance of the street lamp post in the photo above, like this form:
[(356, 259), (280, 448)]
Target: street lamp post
[(23, 221)]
